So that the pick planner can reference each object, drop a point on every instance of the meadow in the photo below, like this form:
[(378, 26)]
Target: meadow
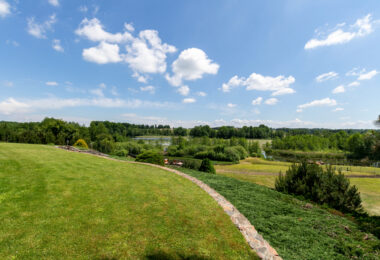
[(56, 204), (264, 172)]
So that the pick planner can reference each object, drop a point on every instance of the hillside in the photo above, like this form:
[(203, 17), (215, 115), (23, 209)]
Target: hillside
[(56, 204)]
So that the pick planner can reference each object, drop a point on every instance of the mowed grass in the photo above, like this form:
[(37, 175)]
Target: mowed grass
[(56, 204), (295, 231), (264, 172)]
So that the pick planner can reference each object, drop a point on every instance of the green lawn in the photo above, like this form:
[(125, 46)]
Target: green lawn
[(254, 169), (295, 231), (56, 204)]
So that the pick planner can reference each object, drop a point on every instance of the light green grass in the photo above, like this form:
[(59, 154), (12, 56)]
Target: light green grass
[(56, 204), (294, 231), (253, 169)]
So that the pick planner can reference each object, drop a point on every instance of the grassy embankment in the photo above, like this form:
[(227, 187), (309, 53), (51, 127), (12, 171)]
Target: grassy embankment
[(56, 204), (264, 172), (296, 231)]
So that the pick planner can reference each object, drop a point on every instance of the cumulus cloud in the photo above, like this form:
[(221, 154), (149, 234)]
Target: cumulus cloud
[(57, 45), (279, 85), (339, 89), (183, 90), (39, 30), (147, 53), (338, 109), (326, 76), (257, 101), (54, 2), (230, 105), (201, 94), (360, 28), (103, 53), (97, 92), (150, 89), (318, 103), (51, 83), (5, 8), (191, 64), (94, 31), (188, 100), (271, 101), (362, 74), (129, 27)]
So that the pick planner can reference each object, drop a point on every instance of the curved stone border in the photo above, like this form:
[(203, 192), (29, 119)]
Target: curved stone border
[(254, 239)]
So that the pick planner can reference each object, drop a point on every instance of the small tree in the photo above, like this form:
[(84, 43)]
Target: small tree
[(150, 156), (207, 166)]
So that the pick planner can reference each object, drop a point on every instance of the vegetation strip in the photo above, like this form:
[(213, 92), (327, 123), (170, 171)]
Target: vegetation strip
[(254, 239)]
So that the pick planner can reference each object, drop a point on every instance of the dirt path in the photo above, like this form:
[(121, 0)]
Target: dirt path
[(254, 239)]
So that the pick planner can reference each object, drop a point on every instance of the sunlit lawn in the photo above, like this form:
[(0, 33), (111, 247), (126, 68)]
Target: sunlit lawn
[(56, 204)]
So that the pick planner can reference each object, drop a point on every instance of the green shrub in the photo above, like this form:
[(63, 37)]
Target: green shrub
[(150, 156), (207, 166), (121, 153), (81, 143), (231, 154), (321, 186)]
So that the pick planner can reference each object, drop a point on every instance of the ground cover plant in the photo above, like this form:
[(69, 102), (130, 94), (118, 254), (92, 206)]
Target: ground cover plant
[(293, 228), (56, 204)]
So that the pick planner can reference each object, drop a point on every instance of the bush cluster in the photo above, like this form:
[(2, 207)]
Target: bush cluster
[(325, 187), (207, 166), (151, 156)]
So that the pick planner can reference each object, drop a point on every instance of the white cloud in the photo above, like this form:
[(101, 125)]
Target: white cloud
[(354, 84), (271, 101), (129, 27), (51, 83), (93, 30), (338, 109), (102, 85), (114, 91), (257, 101), (11, 42), (57, 45), (339, 89), (362, 27), (150, 89), (103, 53), (183, 90), (5, 8), (201, 94), (279, 85), (11, 106), (283, 91), (54, 2), (39, 30), (191, 64), (326, 76), (147, 54), (188, 100), (230, 105), (368, 75), (318, 103)]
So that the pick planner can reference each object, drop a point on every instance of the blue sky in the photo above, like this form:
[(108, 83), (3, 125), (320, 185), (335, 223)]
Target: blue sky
[(292, 63)]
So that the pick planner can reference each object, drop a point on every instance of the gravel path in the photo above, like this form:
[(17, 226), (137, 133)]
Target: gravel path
[(254, 239)]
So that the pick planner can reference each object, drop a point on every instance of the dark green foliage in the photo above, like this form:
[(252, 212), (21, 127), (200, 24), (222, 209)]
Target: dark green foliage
[(187, 162), (321, 186), (295, 231), (150, 156), (207, 166)]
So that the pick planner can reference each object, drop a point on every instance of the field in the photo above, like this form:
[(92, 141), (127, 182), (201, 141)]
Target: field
[(296, 231), (56, 204), (264, 172)]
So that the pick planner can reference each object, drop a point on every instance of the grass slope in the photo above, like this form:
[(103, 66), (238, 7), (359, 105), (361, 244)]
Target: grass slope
[(56, 204), (294, 231)]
